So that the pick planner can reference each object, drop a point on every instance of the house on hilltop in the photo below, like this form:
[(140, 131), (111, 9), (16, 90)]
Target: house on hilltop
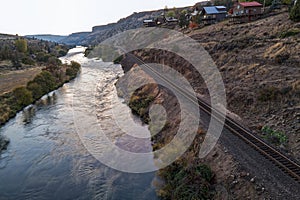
[(246, 11), (149, 23), (213, 14)]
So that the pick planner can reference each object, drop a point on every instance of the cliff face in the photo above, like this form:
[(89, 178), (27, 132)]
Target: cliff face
[(100, 33), (75, 38)]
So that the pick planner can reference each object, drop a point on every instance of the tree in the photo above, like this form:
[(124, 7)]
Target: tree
[(166, 9), (171, 13), (5, 53), (23, 96), (295, 11), (46, 81), (183, 22), (35, 89), (53, 64), (21, 45)]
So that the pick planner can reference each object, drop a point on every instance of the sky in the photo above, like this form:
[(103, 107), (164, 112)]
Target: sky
[(63, 17)]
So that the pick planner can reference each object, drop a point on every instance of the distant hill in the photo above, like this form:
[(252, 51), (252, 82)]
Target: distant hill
[(7, 37), (75, 38), (48, 37), (100, 33)]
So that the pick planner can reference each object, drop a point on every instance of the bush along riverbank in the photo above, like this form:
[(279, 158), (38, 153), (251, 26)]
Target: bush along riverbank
[(51, 78)]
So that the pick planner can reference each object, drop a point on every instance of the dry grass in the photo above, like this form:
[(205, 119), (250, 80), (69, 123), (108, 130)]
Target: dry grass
[(14, 79), (5, 63)]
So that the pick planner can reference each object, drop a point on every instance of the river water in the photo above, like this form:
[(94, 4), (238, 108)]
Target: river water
[(46, 158)]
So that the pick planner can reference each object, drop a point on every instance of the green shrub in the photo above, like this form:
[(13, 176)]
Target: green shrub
[(35, 89), (205, 172), (42, 57), (289, 33), (276, 137), (28, 61), (62, 53), (21, 45), (183, 22), (139, 106), (22, 96), (73, 69), (295, 12), (171, 13), (286, 2), (71, 72), (186, 182), (75, 65), (46, 81)]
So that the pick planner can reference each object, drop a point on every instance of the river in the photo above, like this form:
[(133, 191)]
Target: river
[(46, 158)]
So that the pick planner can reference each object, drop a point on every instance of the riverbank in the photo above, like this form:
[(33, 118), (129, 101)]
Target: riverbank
[(43, 83), (217, 176), (16, 97)]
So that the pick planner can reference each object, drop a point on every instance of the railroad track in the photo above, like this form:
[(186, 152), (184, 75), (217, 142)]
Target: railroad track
[(286, 164)]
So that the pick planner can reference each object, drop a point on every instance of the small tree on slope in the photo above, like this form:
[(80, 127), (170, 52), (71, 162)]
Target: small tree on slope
[(295, 11)]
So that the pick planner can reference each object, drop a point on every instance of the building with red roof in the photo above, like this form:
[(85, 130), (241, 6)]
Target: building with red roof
[(250, 4), (246, 11)]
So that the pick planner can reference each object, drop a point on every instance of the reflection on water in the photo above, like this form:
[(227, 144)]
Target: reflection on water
[(46, 158)]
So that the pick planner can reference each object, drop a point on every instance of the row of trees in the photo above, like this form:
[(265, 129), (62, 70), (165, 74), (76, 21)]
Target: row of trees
[(49, 80), (42, 84), (29, 52), (21, 51)]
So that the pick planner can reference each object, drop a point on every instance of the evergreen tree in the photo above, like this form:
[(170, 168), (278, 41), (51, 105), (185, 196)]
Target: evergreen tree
[(23, 96), (295, 11), (183, 22)]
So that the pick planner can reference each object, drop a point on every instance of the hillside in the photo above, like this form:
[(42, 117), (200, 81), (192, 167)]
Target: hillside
[(46, 37), (100, 33), (259, 63)]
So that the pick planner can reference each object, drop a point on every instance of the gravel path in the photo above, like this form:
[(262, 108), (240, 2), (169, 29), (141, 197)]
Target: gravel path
[(276, 182)]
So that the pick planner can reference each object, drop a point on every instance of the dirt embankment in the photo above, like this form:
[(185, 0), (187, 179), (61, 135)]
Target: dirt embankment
[(259, 63), (222, 180)]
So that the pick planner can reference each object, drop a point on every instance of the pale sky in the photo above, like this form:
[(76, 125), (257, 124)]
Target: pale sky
[(63, 17)]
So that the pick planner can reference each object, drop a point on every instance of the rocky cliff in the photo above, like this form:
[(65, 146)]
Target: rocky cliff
[(100, 33)]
